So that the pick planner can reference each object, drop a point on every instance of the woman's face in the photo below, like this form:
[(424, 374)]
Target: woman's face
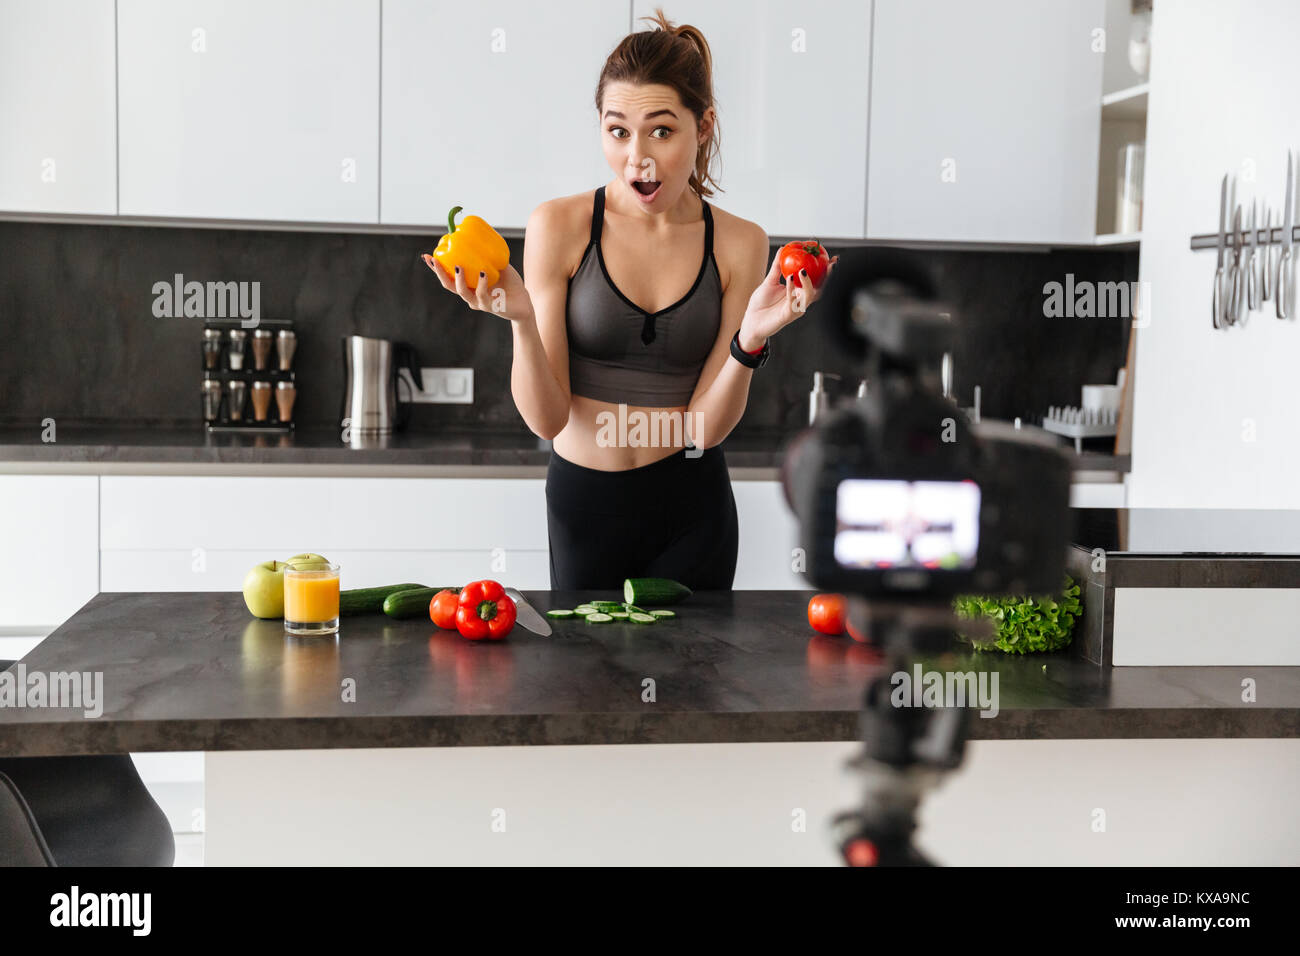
[(650, 141)]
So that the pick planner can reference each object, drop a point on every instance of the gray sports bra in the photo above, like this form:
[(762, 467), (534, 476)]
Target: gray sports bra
[(620, 353)]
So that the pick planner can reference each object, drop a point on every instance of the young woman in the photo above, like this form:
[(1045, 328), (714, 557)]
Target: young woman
[(636, 335)]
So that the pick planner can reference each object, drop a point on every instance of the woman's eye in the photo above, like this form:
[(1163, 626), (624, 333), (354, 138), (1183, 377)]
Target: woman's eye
[(618, 131)]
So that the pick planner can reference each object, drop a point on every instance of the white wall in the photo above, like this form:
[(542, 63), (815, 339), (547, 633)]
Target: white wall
[(1224, 96)]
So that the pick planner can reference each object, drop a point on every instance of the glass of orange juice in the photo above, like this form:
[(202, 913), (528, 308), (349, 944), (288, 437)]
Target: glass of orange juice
[(311, 599)]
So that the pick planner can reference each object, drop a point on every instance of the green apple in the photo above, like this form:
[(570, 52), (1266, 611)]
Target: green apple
[(308, 562), (264, 589)]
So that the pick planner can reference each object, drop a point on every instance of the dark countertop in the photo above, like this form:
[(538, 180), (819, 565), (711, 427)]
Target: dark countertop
[(192, 671), (108, 449)]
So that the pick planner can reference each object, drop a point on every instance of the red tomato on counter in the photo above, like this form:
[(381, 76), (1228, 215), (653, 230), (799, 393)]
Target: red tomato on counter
[(442, 609), (808, 254), (826, 613)]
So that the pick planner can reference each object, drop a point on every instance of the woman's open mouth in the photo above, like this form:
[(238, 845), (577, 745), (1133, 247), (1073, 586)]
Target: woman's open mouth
[(646, 190)]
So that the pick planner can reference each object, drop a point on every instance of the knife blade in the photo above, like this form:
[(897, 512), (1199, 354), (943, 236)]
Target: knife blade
[(1266, 261), (1216, 300), (1252, 279), (526, 615), (1288, 214)]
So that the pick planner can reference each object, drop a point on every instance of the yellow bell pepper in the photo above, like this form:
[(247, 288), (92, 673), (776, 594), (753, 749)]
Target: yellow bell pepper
[(475, 247)]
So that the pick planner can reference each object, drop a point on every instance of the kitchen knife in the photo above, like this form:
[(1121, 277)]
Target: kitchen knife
[(1234, 270), (1252, 276), (526, 615), (1266, 261), (1216, 300), (1288, 220)]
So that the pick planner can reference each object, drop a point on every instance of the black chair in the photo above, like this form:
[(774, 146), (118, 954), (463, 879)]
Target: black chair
[(79, 811)]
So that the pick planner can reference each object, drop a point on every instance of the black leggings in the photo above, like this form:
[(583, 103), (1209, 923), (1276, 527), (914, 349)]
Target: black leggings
[(674, 518)]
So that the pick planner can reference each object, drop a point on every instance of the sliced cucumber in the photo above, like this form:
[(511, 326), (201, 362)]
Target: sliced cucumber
[(606, 606), (633, 608), (636, 617), (654, 591), (663, 612), (618, 615), (559, 612), (598, 618), (585, 609)]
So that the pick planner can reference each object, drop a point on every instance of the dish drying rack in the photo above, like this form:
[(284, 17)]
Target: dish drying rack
[(1080, 423)]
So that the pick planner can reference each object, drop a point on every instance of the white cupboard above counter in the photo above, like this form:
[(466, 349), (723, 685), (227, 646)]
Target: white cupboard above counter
[(57, 140), (249, 111), (491, 106), (877, 121), (985, 120)]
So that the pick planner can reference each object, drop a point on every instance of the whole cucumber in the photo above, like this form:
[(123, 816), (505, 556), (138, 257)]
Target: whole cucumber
[(368, 600), (408, 604)]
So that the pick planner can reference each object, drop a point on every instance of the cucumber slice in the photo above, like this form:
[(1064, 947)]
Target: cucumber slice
[(559, 612), (633, 608), (637, 617), (598, 618), (585, 609), (606, 606), (663, 612), (618, 615)]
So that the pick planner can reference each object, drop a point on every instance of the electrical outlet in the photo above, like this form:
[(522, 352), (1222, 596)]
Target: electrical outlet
[(445, 386)]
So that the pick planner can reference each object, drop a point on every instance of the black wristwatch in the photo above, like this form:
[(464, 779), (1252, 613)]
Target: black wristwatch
[(745, 358)]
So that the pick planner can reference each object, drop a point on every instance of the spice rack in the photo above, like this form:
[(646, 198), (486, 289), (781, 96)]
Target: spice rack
[(228, 398)]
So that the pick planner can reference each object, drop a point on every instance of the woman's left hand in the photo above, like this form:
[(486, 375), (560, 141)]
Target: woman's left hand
[(773, 306)]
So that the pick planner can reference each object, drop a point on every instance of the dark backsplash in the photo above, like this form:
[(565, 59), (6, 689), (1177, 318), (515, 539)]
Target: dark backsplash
[(79, 342)]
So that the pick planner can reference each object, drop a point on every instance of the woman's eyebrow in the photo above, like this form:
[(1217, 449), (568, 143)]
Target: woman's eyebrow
[(617, 115)]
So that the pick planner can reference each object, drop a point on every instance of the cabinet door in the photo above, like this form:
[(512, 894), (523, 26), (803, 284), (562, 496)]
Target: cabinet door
[(49, 558), (491, 105), (236, 109), (985, 120), (791, 82), (58, 145)]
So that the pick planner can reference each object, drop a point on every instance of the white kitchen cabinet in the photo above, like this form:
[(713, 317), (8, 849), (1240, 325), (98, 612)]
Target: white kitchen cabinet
[(769, 535), (174, 533), (58, 139), (491, 105), (985, 120), (325, 515), (792, 84), (236, 109), (49, 551)]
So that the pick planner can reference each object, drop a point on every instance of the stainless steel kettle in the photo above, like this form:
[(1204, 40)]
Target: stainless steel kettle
[(371, 404)]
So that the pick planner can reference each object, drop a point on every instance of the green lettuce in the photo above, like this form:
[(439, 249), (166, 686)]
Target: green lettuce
[(1025, 625)]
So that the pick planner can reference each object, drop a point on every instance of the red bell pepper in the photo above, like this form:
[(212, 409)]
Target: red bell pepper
[(483, 610)]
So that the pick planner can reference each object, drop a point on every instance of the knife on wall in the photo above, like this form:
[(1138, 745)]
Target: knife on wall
[(526, 615), (1282, 285), (1216, 300)]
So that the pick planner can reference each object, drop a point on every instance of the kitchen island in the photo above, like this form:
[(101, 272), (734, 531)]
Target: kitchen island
[(397, 742)]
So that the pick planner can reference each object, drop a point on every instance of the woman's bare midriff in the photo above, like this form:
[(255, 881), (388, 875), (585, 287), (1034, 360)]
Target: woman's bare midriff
[(596, 437)]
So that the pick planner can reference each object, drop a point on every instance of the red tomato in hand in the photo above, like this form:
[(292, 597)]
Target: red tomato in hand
[(442, 609), (826, 613), (809, 254), (484, 610)]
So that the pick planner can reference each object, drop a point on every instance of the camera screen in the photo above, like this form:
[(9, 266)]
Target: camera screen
[(881, 523)]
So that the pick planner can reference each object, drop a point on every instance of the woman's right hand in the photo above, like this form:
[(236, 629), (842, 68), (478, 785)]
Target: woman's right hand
[(508, 298)]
